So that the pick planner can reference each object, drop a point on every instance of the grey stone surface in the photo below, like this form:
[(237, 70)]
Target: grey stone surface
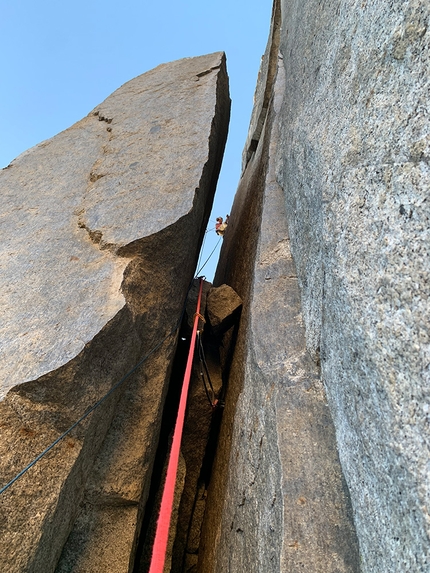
[(102, 225), (277, 500), (354, 165), (105, 533), (73, 203), (223, 306), (263, 89)]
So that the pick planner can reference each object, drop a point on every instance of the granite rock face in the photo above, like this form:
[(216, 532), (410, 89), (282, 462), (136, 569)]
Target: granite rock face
[(277, 500), (102, 228), (336, 174), (85, 202), (354, 168)]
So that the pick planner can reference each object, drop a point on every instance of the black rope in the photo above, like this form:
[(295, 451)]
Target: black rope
[(205, 387), (204, 366), (207, 260)]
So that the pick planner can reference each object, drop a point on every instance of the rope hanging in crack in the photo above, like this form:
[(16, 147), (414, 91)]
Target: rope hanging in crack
[(205, 370), (202, 249), (163, 524)]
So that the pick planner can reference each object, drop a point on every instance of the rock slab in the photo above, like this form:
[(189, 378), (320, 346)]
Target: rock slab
[(102, 228)]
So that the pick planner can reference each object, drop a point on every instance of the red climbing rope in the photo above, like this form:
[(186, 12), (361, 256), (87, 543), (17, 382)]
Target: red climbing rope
[(163, 523)]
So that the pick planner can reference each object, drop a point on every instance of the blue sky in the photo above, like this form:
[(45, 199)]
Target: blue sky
[(60, 59)]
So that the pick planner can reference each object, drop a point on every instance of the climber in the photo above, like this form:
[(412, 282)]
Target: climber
[(227, 218), (220, 226)]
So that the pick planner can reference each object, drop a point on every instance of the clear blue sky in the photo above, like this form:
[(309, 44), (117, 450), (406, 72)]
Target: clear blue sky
[(60, 59)]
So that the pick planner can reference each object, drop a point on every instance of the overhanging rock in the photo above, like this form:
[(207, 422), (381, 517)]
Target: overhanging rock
[(103, 225)]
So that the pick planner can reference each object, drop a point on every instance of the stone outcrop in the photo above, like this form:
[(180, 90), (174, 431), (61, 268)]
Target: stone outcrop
[(223, 308), (322, 456), (103, 225), (354, 169), (328, 245), (277, 500)]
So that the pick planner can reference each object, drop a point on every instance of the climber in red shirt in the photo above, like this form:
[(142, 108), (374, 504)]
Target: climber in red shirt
[(220, 226)]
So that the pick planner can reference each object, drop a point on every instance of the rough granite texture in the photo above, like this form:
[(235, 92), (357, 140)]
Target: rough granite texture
[(354, 166), (277, 500), (102, 228), (79, 204), (223, 308)]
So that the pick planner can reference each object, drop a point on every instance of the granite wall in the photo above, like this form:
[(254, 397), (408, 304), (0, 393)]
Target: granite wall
[(354, 168), (103, 225), (346, 130)]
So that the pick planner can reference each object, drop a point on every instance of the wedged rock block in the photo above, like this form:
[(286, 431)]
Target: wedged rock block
[(223, 308), (101, 228)]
